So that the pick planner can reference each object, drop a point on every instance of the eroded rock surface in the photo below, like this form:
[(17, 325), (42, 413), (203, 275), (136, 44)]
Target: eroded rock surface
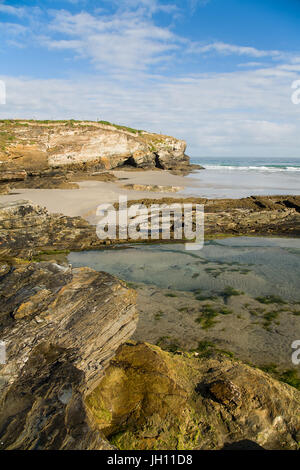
[(61, 326), (154, 188), (39, 145), (167, 401), (27, 229), (260, 215)]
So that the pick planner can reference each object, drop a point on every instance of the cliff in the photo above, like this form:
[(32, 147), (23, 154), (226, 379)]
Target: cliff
[(38, 145)]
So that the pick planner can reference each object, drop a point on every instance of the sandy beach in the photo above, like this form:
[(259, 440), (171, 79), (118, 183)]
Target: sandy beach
[(208, 183), (84, 201)]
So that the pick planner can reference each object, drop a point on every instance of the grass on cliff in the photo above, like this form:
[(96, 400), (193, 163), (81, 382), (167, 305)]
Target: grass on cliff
[(271, 299), (122, 128), (67, 122), (5, 139)]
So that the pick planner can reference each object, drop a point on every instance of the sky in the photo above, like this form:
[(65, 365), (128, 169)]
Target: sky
[(217, 73)]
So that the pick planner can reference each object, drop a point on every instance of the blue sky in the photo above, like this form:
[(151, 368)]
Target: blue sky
[(217, 73)]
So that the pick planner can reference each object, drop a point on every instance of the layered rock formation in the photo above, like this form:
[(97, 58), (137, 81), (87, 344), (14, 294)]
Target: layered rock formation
[(155, 188), (37, 145), (11, 177), (7, 176), (166, 401), (259, 215), (61, 388), (27, 229), (61, 326)]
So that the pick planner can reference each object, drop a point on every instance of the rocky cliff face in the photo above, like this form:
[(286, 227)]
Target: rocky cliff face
[(34, 145), (61, 326)]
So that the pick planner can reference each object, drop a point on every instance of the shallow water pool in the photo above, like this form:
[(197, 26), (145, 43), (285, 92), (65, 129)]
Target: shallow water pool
[(255, 265)]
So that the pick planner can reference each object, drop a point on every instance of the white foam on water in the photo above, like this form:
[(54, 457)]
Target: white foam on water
[(253, 168)]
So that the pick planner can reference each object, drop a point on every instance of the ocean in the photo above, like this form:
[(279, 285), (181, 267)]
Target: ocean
[(243, 177), (249, 164)]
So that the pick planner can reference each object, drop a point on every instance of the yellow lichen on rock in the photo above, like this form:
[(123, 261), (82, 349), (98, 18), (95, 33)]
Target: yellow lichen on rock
[(144, 389), (151, 399)]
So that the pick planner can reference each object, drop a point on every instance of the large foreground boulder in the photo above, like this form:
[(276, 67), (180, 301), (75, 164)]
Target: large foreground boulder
[(60, 326), (151, 399)]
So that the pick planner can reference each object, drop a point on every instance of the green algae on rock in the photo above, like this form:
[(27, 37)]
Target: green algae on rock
[(151, 399)]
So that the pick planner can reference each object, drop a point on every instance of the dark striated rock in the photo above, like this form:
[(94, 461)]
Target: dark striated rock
[(27, 229), (44, 408), (61, 326), (256, 215), (225, 392)]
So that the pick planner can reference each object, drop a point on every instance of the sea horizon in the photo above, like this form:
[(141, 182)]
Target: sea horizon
[(249, 163)]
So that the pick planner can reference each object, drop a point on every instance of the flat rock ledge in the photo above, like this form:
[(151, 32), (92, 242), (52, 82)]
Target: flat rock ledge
[(27, 229), (61, 327)]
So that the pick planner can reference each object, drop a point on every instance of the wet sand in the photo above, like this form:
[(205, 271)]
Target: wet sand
[(84, 201)]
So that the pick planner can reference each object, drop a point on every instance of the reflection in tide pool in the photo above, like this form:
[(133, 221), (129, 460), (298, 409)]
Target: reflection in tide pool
[(257, 266)]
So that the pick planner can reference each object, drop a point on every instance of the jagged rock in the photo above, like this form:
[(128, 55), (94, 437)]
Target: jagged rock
[(17, 175), (4, 268), (4, 189), (225, 392), (154, 188), (27, 229), (263, 215), (61, 326), (166, 401), (44, 408)]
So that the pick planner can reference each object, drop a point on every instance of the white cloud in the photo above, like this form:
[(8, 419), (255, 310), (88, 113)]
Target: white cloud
[(238, 113), (10, 10), (231, 49), (124, 40), (193, 4), (246, 111), (127, 39), (148, 7), (251, 64)]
